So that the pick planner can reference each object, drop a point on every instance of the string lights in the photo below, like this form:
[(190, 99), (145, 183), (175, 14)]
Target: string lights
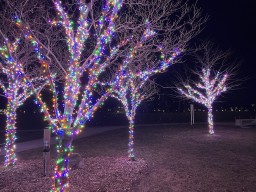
[(129, 87), (206, 91), (16, 89), (77, 100), (71, 126), (134, 88)]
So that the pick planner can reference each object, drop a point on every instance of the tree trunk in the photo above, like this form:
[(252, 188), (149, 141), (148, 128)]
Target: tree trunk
[(64, 150), (10, 134), (131, 140), (210, 121)]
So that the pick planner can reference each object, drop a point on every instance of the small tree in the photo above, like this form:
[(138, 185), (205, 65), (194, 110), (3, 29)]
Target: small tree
[(214, 79), (16, 88), (133, 86), (152, 48)]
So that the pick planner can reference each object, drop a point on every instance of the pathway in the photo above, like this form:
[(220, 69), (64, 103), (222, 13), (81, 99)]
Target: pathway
[(39, 142)]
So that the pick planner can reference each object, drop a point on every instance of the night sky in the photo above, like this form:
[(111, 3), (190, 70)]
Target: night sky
[(232, 25)]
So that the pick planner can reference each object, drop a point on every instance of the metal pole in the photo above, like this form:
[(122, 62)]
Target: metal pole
[(45, 164), (192, 114), (46, 149)]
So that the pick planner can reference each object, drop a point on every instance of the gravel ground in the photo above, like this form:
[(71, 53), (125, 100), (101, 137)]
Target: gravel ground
[(170, 158)]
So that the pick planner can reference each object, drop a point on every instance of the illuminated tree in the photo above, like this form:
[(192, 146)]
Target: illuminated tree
[(73, 66), (83, 41), (214, 79), (151, 50), (16, 88), (133, 85), (131, 94)]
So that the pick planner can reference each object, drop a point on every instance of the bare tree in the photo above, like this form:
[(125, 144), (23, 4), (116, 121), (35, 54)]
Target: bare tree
[(131, 95), (76, 50), (133, 85), (215, 77), (159, 34), (14, 68)]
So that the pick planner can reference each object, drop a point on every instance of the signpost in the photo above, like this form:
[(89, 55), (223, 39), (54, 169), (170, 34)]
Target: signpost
[(46, 150), (192, 112)]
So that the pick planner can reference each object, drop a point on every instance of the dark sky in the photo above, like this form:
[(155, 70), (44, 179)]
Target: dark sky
[(232, 24)]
